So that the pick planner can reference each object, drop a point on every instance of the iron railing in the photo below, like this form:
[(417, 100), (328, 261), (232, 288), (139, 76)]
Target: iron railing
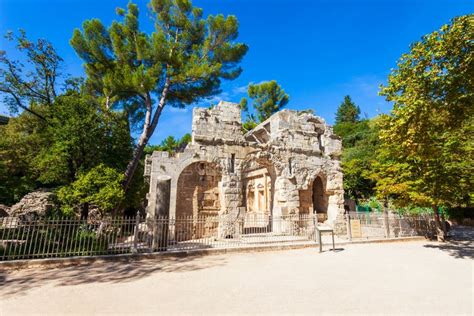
[(47, 238), (369, 225), (23, 238)]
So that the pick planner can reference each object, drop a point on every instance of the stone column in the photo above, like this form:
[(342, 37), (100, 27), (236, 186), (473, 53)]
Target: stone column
[(335, 190), (287, 199), (280, 203), (230, 190), (163, 191), (158, 216)]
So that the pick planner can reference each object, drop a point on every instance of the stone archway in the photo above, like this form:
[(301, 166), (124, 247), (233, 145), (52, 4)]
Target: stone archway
[(198, 197), (314, 199), (320, 198)]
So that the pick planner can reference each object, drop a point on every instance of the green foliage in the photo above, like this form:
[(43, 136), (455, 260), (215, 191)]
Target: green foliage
[(33, 80), (20, 140), (78, 136), (61, 240), (359, 141), (249, 123), (56, 138), (169, 144), (192, 52), (414, 210), (373, 204), (347, 112), (427, 141), (267, 98), (81, 136), (186, 139), (101, 186), (181, 62)]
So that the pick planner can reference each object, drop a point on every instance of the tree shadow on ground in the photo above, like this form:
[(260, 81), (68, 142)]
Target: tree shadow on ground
[(14, 282), (460, 243)]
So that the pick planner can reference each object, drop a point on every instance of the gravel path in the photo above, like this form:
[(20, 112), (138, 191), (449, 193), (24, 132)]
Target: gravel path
[(392, 278)]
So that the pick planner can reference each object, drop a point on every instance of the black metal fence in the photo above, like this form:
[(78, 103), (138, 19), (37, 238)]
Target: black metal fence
[(47, 238), (22, 238), (376, 225)]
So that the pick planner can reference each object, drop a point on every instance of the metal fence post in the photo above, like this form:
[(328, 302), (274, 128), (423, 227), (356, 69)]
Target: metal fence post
[(348, 223), (400, 233), (135, 233), (386, 223)]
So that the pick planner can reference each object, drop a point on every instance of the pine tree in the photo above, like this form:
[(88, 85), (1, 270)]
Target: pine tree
[(267, 98), (181, 62), (347, 112), (359, 140)]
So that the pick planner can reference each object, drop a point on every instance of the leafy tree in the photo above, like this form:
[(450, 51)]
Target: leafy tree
[(186, 139), (61, 134), (182, 61), (30, 85), (426, 154), (170, 144), (100, 186), (36, 82), (77, 137), (267, 98), (347, 112), (359, 141), (19, 142), (81, 136)]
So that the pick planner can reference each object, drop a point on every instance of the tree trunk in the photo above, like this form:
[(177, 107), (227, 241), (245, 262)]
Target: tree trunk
[(148, 128), (133, 164), (439, 226), (84, 211)]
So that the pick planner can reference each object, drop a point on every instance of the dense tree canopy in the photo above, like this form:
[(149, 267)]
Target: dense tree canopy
[(427, 141), (101, 186), (77, 137), (20, 139), (81, 137), (428, 137), (182, 61), (359, 141)]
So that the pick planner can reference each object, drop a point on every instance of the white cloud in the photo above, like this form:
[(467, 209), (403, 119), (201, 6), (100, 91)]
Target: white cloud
[(177, 110), (240, 90), (223, 96)]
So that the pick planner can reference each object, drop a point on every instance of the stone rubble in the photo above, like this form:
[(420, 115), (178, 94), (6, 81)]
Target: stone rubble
[(34, 205)]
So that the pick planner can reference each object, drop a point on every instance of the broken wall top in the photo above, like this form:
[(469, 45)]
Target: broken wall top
[(297, 131), (219, 125), (291, 131)]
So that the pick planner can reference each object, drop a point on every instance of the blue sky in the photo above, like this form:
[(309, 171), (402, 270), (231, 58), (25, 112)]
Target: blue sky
[(317, 50)]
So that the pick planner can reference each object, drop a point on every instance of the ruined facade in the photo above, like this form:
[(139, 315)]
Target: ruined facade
[(287, 165)]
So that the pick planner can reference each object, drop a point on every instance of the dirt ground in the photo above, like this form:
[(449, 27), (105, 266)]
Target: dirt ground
[(392, 278)]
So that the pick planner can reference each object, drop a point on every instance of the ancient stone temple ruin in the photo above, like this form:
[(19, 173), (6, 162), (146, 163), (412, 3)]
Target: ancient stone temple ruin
[(287, 165)]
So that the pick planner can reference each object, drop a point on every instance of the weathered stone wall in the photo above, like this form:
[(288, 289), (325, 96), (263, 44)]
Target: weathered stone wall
[(219, 125), (198, 187), (293, 147)]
